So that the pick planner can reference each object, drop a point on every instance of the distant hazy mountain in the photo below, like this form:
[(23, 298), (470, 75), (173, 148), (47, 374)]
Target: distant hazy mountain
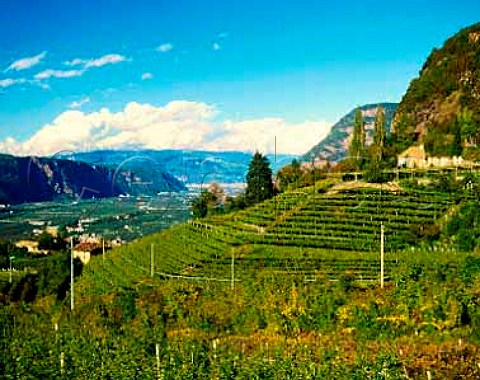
[(334, 147), (190, 167), (34, 179)]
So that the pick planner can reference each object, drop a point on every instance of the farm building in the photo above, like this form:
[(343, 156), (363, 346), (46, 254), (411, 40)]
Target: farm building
[(415, 157)]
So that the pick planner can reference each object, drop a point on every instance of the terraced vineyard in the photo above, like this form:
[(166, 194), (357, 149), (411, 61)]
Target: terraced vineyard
[(310, 234), (351, 220)]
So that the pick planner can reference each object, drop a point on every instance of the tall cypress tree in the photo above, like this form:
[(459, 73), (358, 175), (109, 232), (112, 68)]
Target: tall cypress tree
[(259, 180), (357, 145), (379, 131), (379, 136)]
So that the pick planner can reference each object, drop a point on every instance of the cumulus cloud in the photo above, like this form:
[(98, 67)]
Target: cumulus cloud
[(79, 103), (26, 63), (164, 48), (146, 76), (269, 135), (10, 82), (177, 125)]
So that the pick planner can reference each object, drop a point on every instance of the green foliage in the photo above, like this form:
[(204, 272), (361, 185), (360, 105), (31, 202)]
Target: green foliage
[(444, 102), (25, 289), (284, 318), (214, 201), (375, 172), (376, 151), (199, 205), (8, 250), (289, 177), (259, 180), (446, 183), (470, 269), (54, 275), (48, 242), (292, 177), (445, 141), (307, 330), (403, 135), (356, 150), (234, 204), (44, 277), (464, 226), (347, 165)]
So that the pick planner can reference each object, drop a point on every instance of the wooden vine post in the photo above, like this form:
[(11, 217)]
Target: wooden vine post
[(382, 254)]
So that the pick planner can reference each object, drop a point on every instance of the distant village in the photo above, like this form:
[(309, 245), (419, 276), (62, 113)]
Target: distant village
[(85, 245)]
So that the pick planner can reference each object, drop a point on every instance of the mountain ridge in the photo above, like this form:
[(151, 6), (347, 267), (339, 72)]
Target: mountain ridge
[(40, 179), (334, 146), (188, 166)]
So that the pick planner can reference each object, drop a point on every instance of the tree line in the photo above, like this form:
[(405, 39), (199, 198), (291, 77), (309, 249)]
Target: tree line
[(259, 187)]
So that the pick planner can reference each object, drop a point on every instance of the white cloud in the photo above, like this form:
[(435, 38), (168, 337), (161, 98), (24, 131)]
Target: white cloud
[(79, 103), (217, 43), (108, 59), (177, 125), (42, 85), (85, 64), (269, 135), (10, 82), (146, 76), (75, 62), (58, 74), (26, 63), (164, 48)]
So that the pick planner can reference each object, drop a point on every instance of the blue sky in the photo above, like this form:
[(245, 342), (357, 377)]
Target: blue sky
[(215, 68)]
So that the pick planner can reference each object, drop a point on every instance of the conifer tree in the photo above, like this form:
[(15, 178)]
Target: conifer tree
[(259, 180)]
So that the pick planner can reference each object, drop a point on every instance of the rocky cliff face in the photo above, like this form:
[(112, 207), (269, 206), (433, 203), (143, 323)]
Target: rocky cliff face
[(442, 106), (334, 147)]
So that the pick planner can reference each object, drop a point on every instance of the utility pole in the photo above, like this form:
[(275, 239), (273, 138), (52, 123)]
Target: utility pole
[(10, 270), (314, 193), (157, 360), (152, 260), (382, 248), (71, 274), (103, 249), (275, 149), (232, 284)]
